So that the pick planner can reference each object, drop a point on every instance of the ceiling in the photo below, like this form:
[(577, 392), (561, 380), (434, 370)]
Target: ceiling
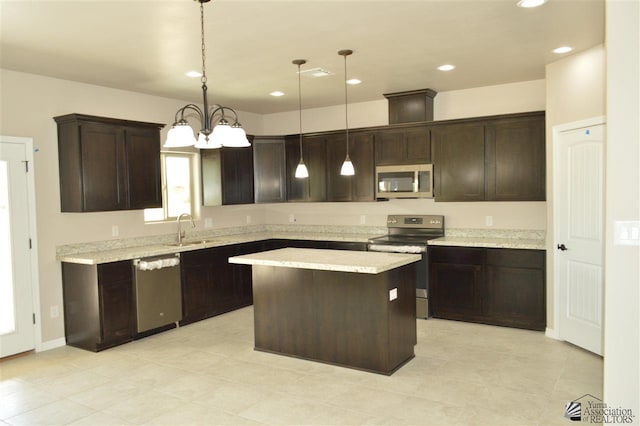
[(147, 45)]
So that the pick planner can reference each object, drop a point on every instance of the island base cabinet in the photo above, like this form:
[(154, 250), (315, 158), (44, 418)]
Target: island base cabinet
[(339, 318)]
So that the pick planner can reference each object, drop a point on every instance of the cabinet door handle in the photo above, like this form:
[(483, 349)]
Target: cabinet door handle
[(562, 247)]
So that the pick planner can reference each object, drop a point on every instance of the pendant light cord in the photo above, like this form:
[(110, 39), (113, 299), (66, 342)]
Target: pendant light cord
[(300, 108), (346, 103)]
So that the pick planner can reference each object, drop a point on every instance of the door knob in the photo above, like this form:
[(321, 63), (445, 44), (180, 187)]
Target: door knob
[(562, 247)]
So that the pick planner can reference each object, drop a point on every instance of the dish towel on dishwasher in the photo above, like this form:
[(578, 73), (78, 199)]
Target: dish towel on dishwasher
[(150, 265)]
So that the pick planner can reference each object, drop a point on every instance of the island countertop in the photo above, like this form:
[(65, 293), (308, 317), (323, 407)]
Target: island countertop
[(366, 262)]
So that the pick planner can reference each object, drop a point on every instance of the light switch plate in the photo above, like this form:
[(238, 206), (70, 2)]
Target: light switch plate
[(393, 294), (627, 233)]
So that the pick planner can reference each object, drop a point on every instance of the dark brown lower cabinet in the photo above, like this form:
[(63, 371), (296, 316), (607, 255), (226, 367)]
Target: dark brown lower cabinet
[(516, 288), (98, 304), (211, 285), (491, 286), (456, 283)]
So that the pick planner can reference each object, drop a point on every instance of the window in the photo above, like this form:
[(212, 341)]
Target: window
[(179, 193)]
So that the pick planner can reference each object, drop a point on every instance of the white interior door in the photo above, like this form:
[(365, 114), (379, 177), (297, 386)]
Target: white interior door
[(579, 220), (16, 300)]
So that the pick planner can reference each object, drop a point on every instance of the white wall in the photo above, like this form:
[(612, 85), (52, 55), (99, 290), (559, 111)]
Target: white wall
[(490, 100), (622, 263), (29, 103), (575, 91), (507, 215)]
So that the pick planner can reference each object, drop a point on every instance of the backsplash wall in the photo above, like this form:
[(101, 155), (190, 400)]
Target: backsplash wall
[(504, 215)]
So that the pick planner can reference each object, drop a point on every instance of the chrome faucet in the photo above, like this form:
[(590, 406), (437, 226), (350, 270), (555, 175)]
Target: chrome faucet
[(180, 231)]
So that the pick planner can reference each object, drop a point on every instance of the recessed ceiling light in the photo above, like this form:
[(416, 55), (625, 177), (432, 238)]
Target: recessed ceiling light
[(194, 74), (277, 93), (563, 49), (354, 81), (531, 3), (446, 67)]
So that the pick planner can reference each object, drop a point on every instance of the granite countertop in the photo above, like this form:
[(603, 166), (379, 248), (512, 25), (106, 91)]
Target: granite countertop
[(366, 262), (487, 242), (94, 253), (493, 238)]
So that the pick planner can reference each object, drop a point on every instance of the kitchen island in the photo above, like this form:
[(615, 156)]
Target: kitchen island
[(348, 308)]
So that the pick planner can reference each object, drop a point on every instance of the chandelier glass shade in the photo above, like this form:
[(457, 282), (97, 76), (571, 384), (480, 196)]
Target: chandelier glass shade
[(215, 131)]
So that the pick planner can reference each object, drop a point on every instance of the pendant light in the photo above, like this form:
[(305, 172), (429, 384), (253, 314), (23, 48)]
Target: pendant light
[(347, 168), (216, 131), (301, 170)]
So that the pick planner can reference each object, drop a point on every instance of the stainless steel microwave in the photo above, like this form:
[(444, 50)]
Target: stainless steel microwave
[(408, 181)]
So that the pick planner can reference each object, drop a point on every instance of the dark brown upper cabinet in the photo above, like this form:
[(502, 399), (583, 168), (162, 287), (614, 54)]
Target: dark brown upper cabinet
[(269, 170), (515, 159), (458, 157), (493, 158), (404, 145), (411, 107), (359, 187), (314, 151), (108, 164), (237, 175), (227, 175)]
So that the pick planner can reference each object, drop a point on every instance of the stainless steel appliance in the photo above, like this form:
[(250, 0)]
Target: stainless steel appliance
[(408, 181), (158, 292), (409, 234)]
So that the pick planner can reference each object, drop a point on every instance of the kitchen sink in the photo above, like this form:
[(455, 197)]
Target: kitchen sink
[(187, 243)]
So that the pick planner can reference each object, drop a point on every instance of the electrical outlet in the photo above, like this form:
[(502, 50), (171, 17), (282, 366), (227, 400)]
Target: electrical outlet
[(208, 222), (488, 220), (292, 218), (115, 231), (55, 311), (248, 219), (363, 219)]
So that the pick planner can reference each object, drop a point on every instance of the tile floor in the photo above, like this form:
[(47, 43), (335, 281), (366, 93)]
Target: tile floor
[(208, 374)]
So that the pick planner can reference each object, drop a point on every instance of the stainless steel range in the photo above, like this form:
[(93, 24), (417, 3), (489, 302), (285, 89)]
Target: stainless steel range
[(410, 234)]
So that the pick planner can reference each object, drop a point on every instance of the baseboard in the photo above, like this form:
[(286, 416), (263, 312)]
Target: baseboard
[(52, 344), (550, 332)]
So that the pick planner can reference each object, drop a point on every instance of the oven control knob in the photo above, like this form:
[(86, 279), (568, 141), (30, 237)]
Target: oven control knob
[(392, 221)]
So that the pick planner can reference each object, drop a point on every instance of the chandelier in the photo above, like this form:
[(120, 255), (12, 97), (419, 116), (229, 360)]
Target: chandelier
[(216, 131)]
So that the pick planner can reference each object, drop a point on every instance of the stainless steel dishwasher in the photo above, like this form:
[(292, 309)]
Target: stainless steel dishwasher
[(158, 291)]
